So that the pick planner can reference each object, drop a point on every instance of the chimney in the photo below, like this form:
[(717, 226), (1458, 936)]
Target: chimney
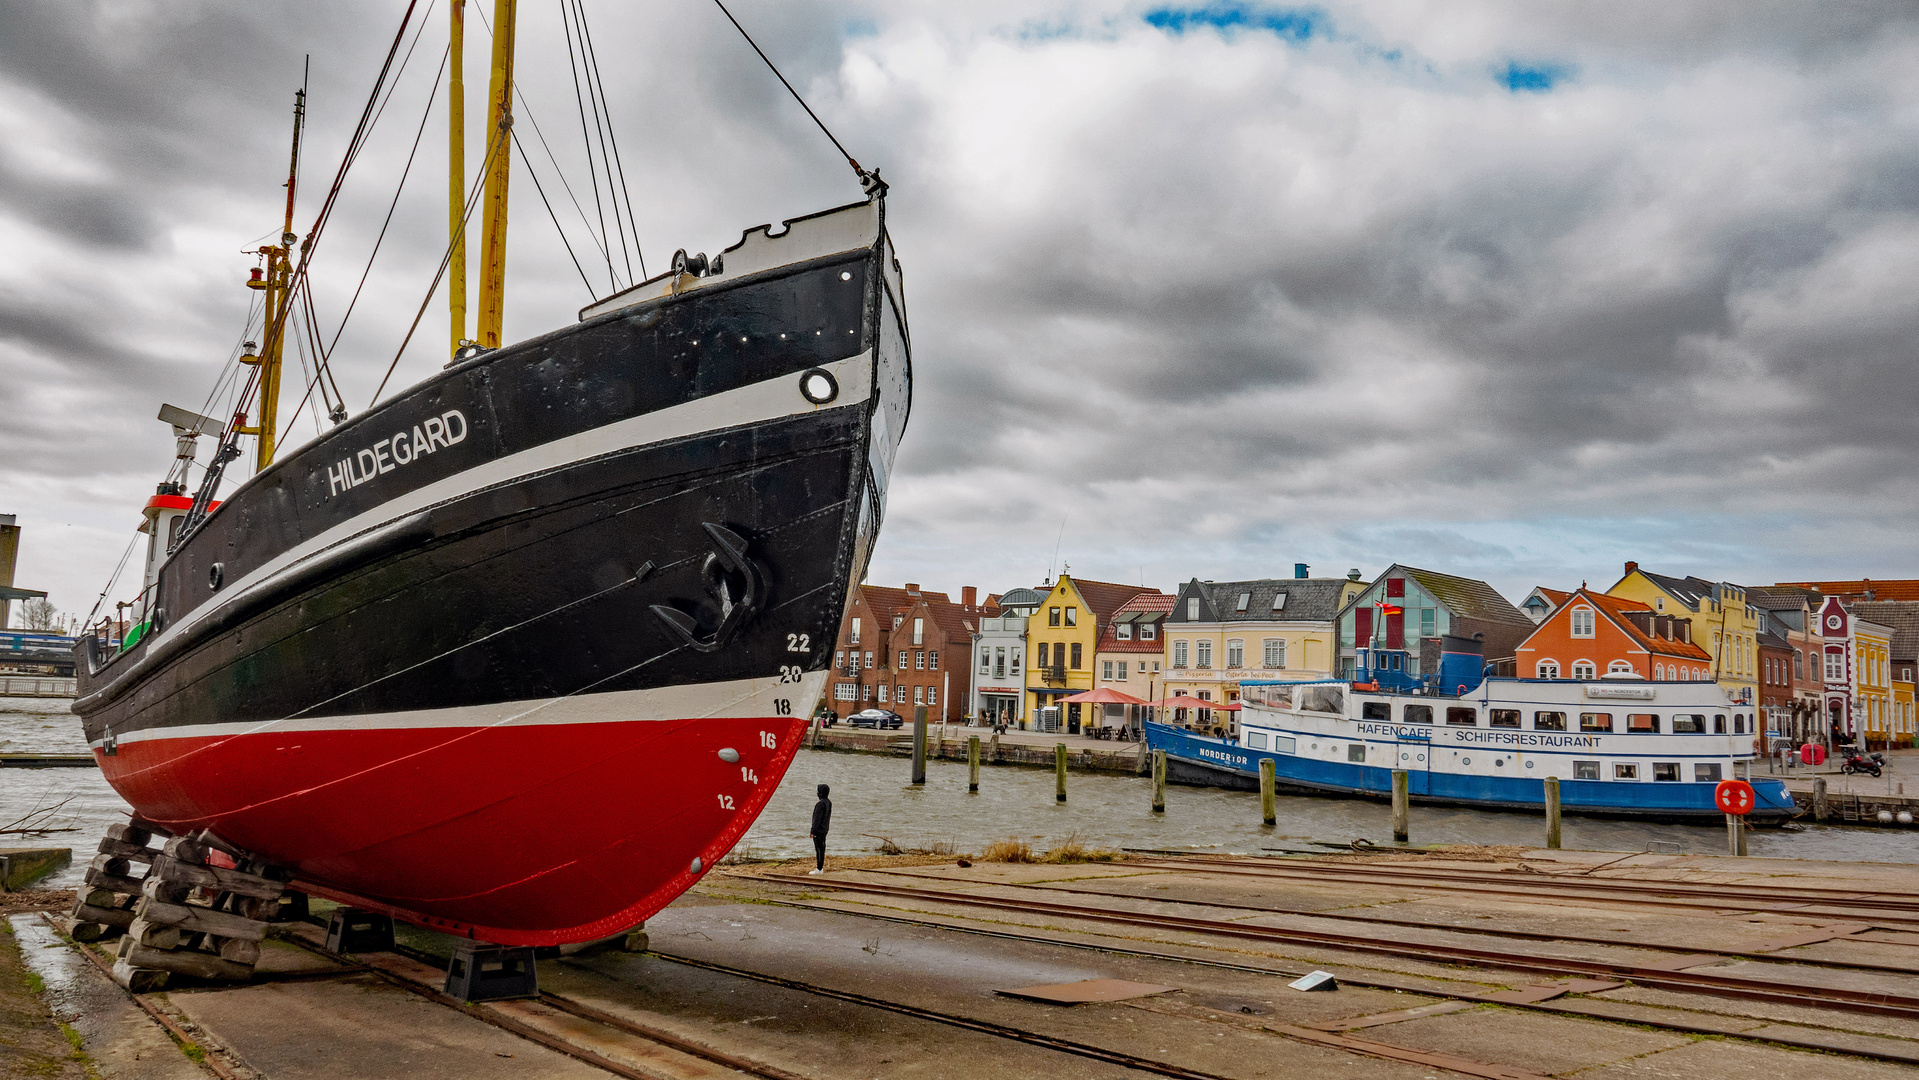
[(1630, 567), (1299, 570), (969, 596), (912, 588)]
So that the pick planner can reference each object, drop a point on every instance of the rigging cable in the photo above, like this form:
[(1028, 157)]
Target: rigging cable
[(863, 174), (602, 120), (586, 34), (579, 100), (520, 145)]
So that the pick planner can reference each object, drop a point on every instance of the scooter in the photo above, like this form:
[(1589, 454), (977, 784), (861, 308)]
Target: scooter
[(1859, 763)]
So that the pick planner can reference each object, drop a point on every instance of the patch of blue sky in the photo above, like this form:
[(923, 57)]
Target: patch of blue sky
[(1532, 78), (859, 27), (1297, 25)]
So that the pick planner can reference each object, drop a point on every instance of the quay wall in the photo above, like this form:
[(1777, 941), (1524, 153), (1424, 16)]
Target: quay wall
[(1125, 758)]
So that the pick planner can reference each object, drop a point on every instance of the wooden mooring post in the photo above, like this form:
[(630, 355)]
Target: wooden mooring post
[(1159, 781), (1059, 772), (1268, 812), (919, 745), (1402, 797), (972, 764), (1552, 812), (1819, 810)]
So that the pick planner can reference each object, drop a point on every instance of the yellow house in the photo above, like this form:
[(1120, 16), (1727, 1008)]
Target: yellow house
[(1872, 659), (1271, 629), (1062, 643), (1721, 623)]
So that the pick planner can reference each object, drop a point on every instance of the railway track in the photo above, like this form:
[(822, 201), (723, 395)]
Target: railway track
[(1878, 908), (1867, 964), (1666, 978)]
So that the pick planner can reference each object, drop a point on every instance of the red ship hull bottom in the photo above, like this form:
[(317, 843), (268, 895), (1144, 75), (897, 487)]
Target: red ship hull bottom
[(512, 833)]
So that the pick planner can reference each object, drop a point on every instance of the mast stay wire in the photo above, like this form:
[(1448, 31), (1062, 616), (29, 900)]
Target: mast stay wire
[(862, 173), (579, 100), (602, 122), (520, 145), (612, 136)]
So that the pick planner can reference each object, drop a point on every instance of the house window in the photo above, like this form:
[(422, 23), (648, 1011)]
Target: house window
[(1503, 718), (1643, 723), (866, 692), (1595, 721), (1428, 622), (1052, 616), (1582, 618), (1274, 653), (1155, 666), (856, 630), (1106, 670), (1619, 667), (1549, 721), (869, 659), (1419, 714), (1835, 667), (1044, 652), (1688, 723), (1706, 772), (1148, 632), (1124, 631), (1014, 665), (1076, 656), (999, 661), (1625, 771), (901, 666), (1798, 664), (919, 695), (839, 658), (883, 690), (932, 695), (1235, 653), (933, 660), (919, 660), (1659, 672), (1192, 609), (1204, 657), (1548, 669), (1665, 771), (919, 631), (986, 660), (846, 691), (1659, 603), (1585, 770), (1462, 716), (1279, 601), (1582, 669), (1072, 616), (1245, 598), (1122, 671)]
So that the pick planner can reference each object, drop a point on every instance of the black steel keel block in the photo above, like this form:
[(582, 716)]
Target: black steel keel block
[(482, 972), (351, 930), (293, 907)]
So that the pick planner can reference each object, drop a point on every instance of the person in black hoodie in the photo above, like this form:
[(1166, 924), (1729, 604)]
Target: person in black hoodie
[(822, 818)]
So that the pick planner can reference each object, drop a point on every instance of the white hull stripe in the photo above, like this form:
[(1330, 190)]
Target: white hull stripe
[(765, 400), (692, 701)]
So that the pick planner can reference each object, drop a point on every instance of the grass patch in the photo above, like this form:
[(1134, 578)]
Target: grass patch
[(1008, 851)]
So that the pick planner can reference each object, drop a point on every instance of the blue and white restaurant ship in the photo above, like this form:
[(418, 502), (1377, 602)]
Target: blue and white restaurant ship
[(1619, 747)]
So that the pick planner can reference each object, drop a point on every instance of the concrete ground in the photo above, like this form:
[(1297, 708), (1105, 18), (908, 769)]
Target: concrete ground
[(767, 971)]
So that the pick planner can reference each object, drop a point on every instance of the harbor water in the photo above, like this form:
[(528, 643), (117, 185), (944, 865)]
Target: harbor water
[(874, 802)]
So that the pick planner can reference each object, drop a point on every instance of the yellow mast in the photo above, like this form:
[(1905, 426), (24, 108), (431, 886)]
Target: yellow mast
[(277, 284), (456, 163), (499, 154)]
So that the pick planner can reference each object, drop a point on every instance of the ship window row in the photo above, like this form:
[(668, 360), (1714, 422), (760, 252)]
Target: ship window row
[(1703, 772), (1550, 720), (1284, 744)]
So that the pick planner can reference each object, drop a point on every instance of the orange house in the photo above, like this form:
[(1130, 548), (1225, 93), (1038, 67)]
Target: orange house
[(1591, 635)]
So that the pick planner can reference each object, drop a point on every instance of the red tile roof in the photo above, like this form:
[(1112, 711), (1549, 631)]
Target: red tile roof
[(1896, 589), (1616, 608), (1106, 597)]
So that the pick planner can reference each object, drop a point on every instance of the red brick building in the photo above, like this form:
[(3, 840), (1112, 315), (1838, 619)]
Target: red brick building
[(902, 648)]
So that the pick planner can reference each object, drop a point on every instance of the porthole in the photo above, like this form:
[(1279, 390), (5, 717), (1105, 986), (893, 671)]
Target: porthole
[(1499, 763), (1405, 757), (1465, 761), (1422, 757), (846, 275), (216, 574), (819, 386), (1529, 764)]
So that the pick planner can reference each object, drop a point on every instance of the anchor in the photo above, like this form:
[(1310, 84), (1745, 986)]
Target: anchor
[(733, 580)]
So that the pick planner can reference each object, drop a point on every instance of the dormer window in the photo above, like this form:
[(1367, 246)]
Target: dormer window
[(1147, 632), (1192, 609), (1124, 631)]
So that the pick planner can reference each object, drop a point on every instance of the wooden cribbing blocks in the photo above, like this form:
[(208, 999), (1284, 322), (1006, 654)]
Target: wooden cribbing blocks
[(114, 880), (184, 916)]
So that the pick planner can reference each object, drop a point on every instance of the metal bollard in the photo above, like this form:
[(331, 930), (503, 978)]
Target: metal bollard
[(1735, 834), (1552, 812), (1402, 797), (919, 745), (972, 764), (1059, 772), (1267, 812), (1159, 781)]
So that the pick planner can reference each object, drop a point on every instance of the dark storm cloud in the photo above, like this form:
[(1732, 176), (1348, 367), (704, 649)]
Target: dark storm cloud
[(1510, 288)]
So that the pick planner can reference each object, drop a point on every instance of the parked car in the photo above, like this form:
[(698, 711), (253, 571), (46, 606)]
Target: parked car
[(876, 718)]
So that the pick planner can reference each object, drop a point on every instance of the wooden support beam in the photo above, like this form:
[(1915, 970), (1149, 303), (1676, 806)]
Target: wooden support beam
[(217, 878), (120, 917), (185, 962), (203, 920)]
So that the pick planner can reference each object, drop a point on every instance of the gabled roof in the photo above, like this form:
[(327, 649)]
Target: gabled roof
[(1307, 600), (1770, 640), (1466, 597), (1899, 616), (1616, 609), (1783, 597), (1895, 589), (1104, 597), (1687, 590)]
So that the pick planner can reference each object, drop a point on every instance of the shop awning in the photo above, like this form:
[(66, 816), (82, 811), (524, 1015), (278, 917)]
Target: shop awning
[(1103, 696)]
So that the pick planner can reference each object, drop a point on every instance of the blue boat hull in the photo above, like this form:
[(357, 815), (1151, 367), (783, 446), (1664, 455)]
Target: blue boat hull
[(1207, 762)]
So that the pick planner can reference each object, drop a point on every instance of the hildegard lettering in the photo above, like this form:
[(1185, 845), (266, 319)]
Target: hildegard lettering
[(430, 436)]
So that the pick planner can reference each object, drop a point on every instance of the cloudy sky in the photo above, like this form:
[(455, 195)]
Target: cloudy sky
[(1516, 290)]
